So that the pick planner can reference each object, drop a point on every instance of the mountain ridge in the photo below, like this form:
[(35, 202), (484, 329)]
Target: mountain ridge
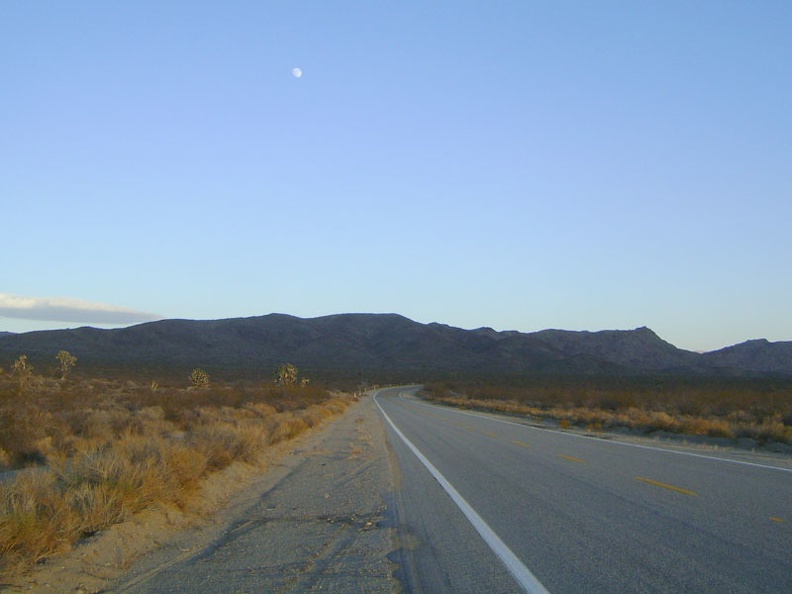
[(379, 344)]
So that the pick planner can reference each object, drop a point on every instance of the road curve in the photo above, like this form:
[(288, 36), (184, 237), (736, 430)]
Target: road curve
[(578, 514)]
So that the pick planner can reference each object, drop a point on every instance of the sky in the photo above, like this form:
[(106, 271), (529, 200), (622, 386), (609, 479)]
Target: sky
[(520, 165)]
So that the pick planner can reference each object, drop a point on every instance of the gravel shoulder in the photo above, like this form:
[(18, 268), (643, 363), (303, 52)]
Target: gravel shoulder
[(316, 520)]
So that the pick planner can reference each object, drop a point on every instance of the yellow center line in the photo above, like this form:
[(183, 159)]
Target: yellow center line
[(776, 519), (572, 459), (491, 434), (666, 486), (521, 443)]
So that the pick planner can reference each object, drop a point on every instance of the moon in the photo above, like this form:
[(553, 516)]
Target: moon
[(296, 72)]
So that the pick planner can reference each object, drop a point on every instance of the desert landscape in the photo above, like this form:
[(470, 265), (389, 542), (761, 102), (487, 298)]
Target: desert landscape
[(120, 428)]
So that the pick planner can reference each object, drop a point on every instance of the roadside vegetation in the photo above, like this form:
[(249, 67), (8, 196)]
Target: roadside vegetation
[(78, 454), (735, 408)]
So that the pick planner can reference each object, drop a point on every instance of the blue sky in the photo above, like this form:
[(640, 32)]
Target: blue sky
[(517, 164)]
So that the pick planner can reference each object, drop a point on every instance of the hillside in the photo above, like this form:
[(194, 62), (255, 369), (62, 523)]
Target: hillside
[(388, 345), (753, 356)]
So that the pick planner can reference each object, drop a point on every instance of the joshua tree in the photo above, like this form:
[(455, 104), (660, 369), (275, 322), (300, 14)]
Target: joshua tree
[(66, 361), (286, 374), (199, 378), (24, 372)]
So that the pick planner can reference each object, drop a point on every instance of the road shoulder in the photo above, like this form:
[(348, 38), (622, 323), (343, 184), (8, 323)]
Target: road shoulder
[(315, 520)]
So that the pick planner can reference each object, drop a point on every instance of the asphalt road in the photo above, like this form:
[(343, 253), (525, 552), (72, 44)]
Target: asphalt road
[(540, 510)]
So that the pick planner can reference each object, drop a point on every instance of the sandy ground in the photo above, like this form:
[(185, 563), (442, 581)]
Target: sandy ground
[(333, 478)]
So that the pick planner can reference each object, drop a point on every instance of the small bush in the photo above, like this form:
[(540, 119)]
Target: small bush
[(287, 427)]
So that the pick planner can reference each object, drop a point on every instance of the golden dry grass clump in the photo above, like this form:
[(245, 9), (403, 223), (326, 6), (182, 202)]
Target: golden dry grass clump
[(79, 456)]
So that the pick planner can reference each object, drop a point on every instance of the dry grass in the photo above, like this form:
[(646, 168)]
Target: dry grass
[(756, 409), (82, 455)]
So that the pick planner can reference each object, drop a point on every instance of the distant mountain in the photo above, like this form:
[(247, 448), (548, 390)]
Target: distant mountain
[(639, 349), (388, 345), (752, 356)]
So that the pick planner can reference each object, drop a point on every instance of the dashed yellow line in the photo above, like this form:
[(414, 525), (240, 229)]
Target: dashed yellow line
[(521, 444), (572, 459), (666, 486), (777, 519), (491, 434)]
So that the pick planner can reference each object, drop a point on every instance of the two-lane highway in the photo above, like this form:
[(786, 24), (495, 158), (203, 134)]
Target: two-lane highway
[(489, 505)]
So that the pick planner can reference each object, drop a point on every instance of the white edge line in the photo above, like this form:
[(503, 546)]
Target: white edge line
[(609, 441), (519, 571)]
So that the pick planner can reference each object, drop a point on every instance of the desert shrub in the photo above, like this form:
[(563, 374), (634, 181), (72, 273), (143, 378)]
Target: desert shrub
[(27, 505), (94, 507), (107, 448), (22, 427), (705, 426), (661, 421), (771, 428), (187, 466), (756, 408), (286, 427), (218, 442), (261, 409)]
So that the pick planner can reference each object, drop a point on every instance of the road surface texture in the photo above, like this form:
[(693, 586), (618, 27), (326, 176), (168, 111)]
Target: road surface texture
[(574, 514)]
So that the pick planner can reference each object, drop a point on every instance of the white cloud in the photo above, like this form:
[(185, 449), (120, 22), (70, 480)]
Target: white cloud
[(64, 309)]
